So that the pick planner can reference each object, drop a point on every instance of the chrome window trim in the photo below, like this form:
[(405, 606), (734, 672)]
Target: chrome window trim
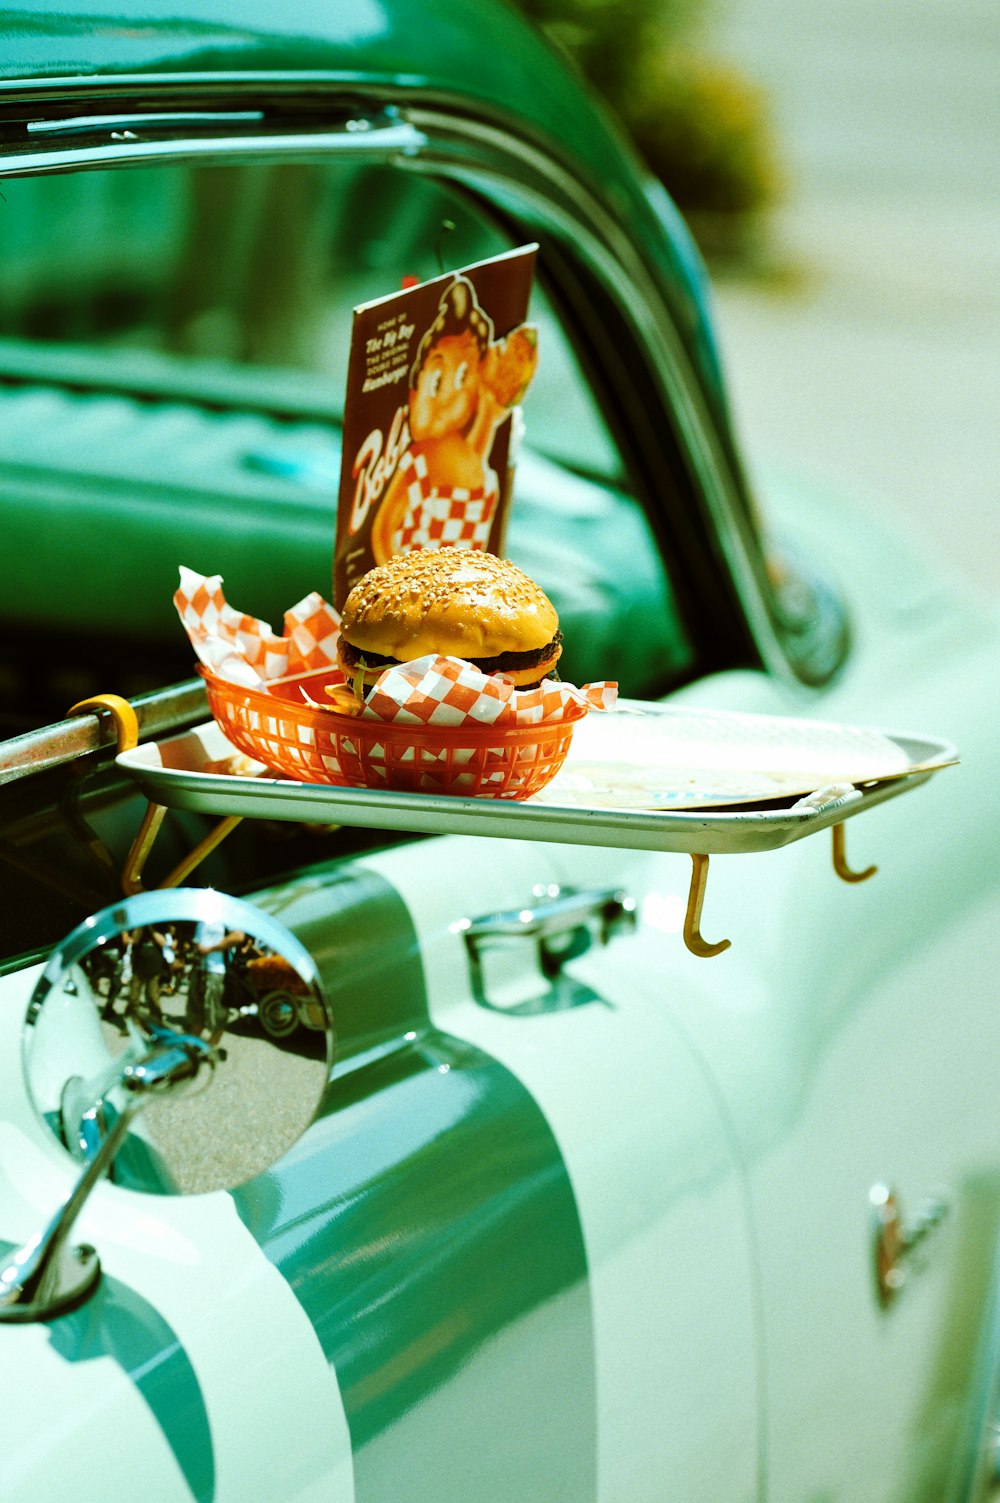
[(473, 152), (68, 125), (125, 145)]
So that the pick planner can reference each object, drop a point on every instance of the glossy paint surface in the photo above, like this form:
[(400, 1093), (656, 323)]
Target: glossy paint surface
[(647, 1151), (432, 1238), (430, 1232), (852, 1033), (491, 60), (857, 1043)]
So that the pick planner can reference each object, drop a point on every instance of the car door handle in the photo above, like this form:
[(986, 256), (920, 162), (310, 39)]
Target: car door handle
[(559, 925)]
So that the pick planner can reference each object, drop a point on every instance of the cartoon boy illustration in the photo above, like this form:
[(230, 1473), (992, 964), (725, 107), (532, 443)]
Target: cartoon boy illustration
[(462, 385)]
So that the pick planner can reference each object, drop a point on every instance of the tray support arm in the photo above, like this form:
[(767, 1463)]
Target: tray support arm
[(127, 729), (141, 846)]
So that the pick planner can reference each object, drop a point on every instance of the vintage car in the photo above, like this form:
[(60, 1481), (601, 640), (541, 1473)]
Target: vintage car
[(505, 1181)]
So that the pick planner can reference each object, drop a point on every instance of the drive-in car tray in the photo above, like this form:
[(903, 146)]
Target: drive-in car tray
[(592, 801)]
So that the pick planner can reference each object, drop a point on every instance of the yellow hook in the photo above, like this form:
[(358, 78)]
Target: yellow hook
[(125, 719), (840, 865), (692, 919)]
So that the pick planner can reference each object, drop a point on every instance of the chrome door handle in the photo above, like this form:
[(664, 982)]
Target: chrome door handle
[(560, 924), (564, 923)]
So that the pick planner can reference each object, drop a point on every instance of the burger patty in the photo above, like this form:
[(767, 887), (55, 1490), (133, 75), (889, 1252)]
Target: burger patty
[(504, 662)]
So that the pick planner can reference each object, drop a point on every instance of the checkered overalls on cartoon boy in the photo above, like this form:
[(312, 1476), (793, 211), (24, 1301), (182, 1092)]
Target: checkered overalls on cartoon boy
[(443, 516)]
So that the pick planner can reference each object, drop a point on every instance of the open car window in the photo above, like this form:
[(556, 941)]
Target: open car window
[(173, 354)]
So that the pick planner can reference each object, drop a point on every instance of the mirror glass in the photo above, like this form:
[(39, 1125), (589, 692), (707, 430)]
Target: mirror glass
[(128, 986)]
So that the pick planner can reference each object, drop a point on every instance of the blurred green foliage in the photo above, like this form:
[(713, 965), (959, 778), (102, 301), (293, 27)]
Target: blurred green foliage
[(702, 127)]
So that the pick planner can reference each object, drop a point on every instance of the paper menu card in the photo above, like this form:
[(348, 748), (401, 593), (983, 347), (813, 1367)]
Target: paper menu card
[(436, 376)]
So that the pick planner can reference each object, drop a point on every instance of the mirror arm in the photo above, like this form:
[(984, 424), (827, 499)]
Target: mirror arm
[(48, 1277)]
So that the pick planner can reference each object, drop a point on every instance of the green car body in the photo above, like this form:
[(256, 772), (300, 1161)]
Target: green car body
[(590, 1224)]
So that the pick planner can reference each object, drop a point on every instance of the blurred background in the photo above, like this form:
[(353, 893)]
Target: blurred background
[(840, 168)]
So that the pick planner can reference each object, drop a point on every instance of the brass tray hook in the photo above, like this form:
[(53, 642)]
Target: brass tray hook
[(692, 918), (840, 866), (127, 727)]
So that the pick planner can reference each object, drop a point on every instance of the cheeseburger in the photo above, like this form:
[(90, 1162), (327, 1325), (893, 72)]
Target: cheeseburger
[(456, 602)]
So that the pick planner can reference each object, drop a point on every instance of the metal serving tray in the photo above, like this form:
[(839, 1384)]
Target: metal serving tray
[(172, 773)]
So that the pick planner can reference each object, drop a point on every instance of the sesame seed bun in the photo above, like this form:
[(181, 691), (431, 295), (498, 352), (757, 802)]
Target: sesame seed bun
[(458, 602)]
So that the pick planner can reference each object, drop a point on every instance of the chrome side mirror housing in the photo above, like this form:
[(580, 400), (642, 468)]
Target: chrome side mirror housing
[(179, 1042)]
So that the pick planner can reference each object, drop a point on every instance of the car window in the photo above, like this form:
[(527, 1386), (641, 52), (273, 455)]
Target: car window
[(173, 349), (256, 267)]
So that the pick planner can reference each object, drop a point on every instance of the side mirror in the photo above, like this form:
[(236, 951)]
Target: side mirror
[(179, 1042)]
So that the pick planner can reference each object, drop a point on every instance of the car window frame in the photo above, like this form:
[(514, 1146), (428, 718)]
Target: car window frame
[(690, 479)]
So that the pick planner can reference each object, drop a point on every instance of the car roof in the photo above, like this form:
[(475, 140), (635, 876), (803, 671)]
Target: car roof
[(479, 50)]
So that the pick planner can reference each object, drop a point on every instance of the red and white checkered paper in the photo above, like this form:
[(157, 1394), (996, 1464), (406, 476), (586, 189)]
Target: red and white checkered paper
[(428, 691), (448, 691), (243, 650)]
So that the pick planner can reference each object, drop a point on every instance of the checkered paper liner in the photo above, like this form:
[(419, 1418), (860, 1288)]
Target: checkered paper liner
[(434, 725), (440, 691), (242, 649)]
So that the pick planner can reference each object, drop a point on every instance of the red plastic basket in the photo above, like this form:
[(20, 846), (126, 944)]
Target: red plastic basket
[(276, 727)]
